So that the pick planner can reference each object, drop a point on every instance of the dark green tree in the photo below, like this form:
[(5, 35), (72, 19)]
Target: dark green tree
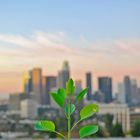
[(108, 119), (136, 129), (100, 133), (13, 127), (28, 128), (117, 130)]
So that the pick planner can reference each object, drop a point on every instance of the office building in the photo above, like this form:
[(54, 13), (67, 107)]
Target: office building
[(49, 82), (27, 83), (105, 86), (134, 115), (120, 112), (14, 101), (44, 91), (28, 109), (78, 85), (128, 89), (135, 96), (4, 105), (98, 96), (89, 85), (121, 94), (36, 76), (63, 75)]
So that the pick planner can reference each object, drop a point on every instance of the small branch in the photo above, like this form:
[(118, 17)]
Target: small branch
[(65, 114), (75, 124), (60, 134)]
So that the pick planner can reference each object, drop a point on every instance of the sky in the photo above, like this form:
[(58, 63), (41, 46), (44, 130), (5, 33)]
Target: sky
[(93, 35)]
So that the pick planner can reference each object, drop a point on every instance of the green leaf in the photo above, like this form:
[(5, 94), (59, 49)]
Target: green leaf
[(88, 130), (62, 92), (81, 95), (72, 108), (88, 111), (59, 97), (45, 126), (70, 87)]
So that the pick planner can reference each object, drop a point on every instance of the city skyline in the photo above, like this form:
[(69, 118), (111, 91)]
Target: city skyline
[(97, 37), (94, 81)]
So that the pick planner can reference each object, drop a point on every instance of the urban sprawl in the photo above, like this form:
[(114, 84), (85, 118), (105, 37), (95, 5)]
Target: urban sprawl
[(22, 110)]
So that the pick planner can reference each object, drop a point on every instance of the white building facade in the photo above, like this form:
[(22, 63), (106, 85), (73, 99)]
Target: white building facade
[(29, 109), (120, 112)]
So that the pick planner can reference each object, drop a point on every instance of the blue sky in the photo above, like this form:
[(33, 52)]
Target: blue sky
[(94, 19), (101, 36)]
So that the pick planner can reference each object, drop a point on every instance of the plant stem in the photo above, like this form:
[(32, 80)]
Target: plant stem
[(69, 120), (75, 125), (59, 134)]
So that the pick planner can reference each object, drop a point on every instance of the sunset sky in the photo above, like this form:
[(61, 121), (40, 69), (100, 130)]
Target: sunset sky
[(93, 35)]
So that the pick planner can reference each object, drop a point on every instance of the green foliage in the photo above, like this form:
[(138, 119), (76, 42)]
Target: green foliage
[(117, 130), (72, 108), (108, 119), (81, 94), (88, 130), (114, 130), (70, 87), (59, 97), (45, 126), (64, 98), (136, 129), (88, 111)]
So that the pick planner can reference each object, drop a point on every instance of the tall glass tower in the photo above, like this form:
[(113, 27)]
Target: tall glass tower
[(36, 76), (63, 75), (127, 88), (89, 85), (105, 86)]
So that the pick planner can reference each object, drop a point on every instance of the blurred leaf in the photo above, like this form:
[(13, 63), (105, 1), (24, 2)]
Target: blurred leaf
[(45, 126), (81, 95), (70, 87), (88, 130), (59, 97), (62, 92), (88, 111), (72, 108)]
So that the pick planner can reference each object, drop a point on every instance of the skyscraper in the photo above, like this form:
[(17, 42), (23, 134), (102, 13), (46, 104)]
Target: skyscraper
[(27, 85), (49, 82), (127, 88), (135, 97), (121, 93), (44, 91), (105, 86), (78, 85), (98, 96), (89, 85), (36, 76), (63, 75)]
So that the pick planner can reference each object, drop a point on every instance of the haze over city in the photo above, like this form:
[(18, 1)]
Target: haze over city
[(96, 36), (69, 69)]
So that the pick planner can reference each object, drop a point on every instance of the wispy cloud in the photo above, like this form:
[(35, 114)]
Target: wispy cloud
[(43, 42), (48, 50)]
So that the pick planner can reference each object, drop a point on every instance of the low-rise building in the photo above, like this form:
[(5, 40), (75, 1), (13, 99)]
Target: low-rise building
[(120, 112), (134, 115), (14, 101), (29, 109)]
